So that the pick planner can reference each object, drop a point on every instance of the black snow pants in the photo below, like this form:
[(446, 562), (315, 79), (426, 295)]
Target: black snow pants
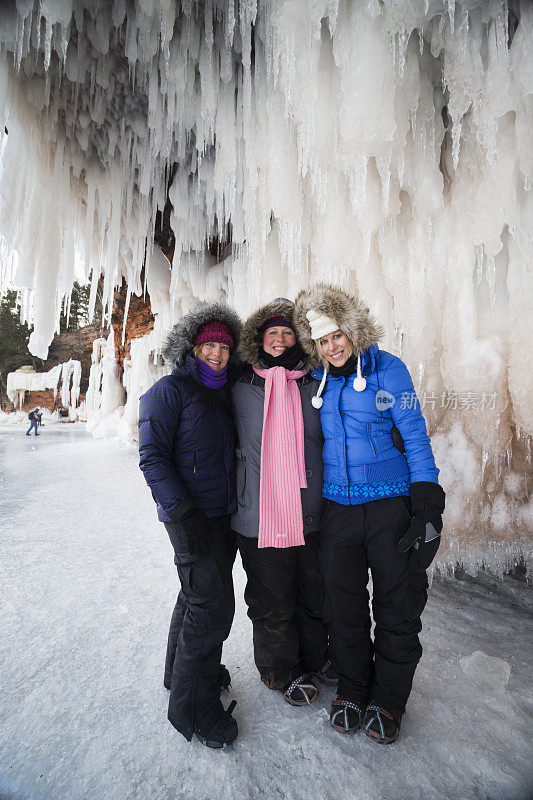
[(200, 623), (352, 540), (284, 595)]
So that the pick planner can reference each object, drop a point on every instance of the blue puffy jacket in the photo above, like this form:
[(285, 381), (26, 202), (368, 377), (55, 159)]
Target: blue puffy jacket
[(358, 446), (187, 447)]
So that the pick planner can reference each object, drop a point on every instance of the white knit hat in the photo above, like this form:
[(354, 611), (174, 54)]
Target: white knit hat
[(320, 324)]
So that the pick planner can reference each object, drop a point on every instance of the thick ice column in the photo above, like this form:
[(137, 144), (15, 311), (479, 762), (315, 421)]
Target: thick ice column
[(93, 397), (145, 364), (113, 394), (70, 383)]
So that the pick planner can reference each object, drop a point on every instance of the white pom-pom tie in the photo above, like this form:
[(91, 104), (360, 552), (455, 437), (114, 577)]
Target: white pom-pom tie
[(317, 401), (359, 383)]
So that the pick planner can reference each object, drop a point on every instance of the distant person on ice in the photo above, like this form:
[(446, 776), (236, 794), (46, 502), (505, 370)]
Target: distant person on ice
[(279, 485), (187, 455), (382, 510), (33, 417)]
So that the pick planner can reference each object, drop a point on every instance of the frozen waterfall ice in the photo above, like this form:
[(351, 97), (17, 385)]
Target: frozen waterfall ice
[(26, 379), (385, 146)]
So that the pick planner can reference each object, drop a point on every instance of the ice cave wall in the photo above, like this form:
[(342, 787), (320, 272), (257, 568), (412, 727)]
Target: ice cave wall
[(386, 146)]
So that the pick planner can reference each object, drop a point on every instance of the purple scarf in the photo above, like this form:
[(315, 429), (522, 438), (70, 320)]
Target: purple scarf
[(212, 378)]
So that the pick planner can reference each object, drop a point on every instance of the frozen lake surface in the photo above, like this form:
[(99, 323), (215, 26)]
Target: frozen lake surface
[(87, 589)]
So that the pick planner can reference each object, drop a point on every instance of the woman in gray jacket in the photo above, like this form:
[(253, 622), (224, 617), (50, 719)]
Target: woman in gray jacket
[(279, 485)]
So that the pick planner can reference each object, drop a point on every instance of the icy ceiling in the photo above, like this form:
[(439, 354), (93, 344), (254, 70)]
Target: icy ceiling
[(382, 144)]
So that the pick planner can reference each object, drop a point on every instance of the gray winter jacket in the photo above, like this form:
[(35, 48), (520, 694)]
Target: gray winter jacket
[(248, 395)]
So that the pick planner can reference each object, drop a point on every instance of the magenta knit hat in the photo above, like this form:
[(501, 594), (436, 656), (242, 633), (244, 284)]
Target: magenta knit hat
[(214, 331)]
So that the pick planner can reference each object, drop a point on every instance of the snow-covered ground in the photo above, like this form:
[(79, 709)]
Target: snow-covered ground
[(88, 585)]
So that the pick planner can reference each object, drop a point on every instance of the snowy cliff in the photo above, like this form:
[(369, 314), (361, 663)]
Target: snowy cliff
[(381, 145)]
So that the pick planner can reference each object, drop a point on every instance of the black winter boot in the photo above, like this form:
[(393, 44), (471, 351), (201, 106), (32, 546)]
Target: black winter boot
[(302, 691), (223, 732), (346, 716), (382, 725)]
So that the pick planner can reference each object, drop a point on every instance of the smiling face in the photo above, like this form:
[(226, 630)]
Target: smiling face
[(277, 339), (215, 354), (336, 348)]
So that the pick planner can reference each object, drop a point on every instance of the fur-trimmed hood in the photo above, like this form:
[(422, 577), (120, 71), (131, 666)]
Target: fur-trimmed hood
[(180, 340), (251, 340), (350, 313)]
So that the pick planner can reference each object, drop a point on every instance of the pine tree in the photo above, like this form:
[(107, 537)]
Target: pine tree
[(79, 309), (14, 339)]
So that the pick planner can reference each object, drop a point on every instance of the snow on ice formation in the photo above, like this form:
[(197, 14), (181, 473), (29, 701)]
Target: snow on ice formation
[(384, 146), (26, 379), (105, 393)]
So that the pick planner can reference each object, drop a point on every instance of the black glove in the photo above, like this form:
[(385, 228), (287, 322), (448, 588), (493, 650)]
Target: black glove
[(197, 528), (423, 534)]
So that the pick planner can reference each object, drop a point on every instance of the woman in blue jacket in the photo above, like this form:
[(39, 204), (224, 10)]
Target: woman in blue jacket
[(187, 455), (382, 510)]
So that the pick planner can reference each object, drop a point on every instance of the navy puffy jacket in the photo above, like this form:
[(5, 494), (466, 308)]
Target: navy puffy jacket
[(186, 447), (358, 445)]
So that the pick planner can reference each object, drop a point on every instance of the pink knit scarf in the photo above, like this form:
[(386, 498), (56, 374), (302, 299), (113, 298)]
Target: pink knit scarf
[(282, 460)]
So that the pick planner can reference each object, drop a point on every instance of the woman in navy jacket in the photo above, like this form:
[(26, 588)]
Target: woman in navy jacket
[(382, 510), (187, 455)]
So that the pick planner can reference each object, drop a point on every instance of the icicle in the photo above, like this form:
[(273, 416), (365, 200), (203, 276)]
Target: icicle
[(456, 143), (68, 300), (491, 279), (479, 263), (93, 293), (403, 39), (126, 309)]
